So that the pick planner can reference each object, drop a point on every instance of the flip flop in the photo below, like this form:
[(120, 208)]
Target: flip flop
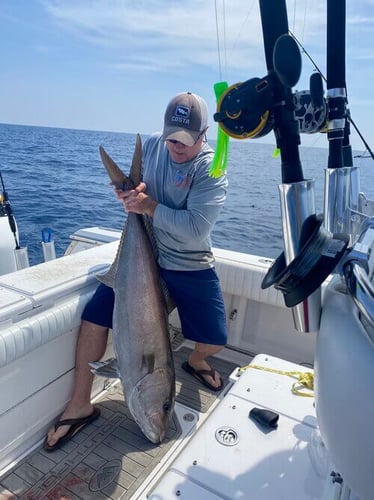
[(199, 375), (77, 424)]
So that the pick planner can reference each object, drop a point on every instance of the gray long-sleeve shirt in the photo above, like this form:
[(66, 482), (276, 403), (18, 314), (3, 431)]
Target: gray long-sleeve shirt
[(189, 204)]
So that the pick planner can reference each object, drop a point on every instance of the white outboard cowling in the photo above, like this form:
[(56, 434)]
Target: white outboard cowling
[(7, 246)]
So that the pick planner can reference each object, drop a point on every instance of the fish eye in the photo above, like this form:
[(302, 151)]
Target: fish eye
[(166, 407)]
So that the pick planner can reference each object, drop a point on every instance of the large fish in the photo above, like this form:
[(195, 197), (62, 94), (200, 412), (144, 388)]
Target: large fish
[(141, 342)]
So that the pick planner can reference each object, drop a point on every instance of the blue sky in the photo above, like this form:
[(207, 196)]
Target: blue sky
[(114, 64)]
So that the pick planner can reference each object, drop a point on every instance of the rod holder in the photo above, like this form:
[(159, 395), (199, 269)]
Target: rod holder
[(297, 203), (342, 186), (22, 258), (49, 252)]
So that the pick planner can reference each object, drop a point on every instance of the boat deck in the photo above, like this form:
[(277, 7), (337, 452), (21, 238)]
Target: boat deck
[(111, 458)]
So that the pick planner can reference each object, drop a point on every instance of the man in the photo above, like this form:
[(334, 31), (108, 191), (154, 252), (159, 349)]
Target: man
[(183, 203)]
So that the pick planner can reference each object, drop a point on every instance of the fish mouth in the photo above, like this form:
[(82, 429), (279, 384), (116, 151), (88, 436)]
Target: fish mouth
[(152, 423), (155, 431), (154, 427), (155, 439)]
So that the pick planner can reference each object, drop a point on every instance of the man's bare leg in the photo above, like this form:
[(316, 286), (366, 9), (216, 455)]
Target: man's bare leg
[(91, 347), (197, 360)]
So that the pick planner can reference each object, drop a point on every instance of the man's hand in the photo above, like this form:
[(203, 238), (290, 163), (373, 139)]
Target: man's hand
[(137, 201)]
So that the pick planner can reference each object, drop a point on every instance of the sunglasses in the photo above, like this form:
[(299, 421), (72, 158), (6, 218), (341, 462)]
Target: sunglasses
[(173, 141)]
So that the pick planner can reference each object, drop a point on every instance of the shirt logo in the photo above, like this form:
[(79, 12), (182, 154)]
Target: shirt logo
[(182, 180)]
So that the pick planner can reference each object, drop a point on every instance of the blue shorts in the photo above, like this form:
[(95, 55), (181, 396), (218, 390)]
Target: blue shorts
[(99, 309), (197, 295)]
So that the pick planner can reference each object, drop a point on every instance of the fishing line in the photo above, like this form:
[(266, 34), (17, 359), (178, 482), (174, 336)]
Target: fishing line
[(349, 117), (304, 21), (294, 15), (219, 163), (218, 41), (303, 49), (244, 23), (228, 51), (363, 140), (224, 35)]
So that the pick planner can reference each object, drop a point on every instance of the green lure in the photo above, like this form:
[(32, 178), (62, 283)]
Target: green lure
[(219, 163)]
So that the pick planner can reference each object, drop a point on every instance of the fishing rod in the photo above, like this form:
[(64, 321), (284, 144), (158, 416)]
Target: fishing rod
[(349, 117), (254, 108), (341, 177), (341, 202), (336, 83), (305, 263), (9, 211), (283, 62)]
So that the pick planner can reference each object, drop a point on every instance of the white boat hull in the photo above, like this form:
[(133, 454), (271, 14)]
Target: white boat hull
[(40, 310)]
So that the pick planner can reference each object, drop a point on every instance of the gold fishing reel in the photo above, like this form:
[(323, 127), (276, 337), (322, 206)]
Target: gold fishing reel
[(243, 110)]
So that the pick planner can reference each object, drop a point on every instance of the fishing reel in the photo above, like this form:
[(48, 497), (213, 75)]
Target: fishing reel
[(247, 110), (244, 109), (311, 109)]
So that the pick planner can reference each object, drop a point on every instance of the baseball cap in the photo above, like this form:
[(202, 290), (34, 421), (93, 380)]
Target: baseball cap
[(186, 116)]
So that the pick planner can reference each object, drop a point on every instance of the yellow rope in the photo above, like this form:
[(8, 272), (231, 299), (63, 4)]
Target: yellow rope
[(305, 380)]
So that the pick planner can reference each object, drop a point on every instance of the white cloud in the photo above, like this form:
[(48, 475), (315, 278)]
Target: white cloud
[(141, 40)]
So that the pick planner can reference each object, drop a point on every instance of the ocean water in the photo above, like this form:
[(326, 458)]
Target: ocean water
[(55, 178)]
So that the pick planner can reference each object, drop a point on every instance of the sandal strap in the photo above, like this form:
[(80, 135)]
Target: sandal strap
[(210, 372), (71, 421)]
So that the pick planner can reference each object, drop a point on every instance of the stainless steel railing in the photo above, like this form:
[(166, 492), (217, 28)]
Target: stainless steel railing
[(358, 271)]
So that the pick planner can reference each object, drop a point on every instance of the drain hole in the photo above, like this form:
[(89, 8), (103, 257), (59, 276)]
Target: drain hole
[(227, 436)]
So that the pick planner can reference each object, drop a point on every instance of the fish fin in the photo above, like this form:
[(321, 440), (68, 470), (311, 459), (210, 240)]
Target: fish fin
[(108, 278), (118, 178), (149, 362), (108, 368), (136, 165)]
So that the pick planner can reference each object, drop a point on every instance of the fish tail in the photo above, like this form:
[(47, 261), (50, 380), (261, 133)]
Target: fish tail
[(136, 165), (108, 368), (118, 178)]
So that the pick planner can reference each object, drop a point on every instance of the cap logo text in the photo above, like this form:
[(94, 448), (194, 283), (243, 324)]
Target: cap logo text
[(181, 116)]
